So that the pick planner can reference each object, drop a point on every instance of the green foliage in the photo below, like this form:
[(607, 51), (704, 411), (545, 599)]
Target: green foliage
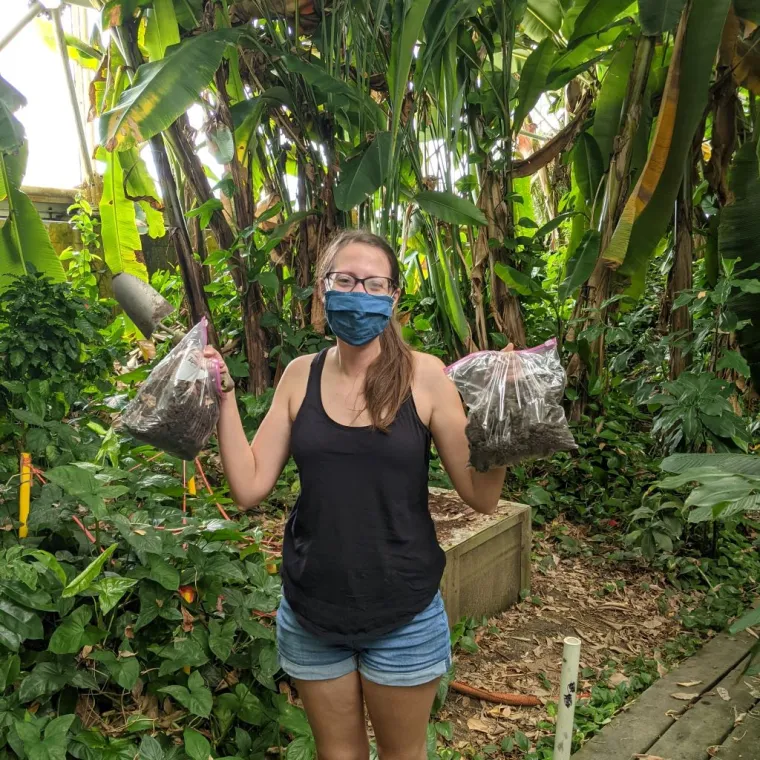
[(113, 627), (52, 347), (695, 411)]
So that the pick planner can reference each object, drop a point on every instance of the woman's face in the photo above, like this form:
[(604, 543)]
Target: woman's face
[(363, 261)]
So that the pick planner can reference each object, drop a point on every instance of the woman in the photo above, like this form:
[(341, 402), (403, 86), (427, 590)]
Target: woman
[(361, 621)]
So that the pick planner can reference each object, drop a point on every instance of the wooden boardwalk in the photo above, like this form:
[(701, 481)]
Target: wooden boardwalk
[(716, 716)]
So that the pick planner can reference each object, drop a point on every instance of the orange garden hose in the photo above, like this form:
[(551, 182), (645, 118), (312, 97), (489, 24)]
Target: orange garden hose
[(515, 700)]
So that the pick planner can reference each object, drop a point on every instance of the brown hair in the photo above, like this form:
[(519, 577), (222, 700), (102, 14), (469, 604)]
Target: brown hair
[(389, 378)]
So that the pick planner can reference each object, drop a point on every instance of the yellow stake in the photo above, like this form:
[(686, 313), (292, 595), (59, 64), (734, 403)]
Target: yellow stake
[(23, 494), (191, 486)]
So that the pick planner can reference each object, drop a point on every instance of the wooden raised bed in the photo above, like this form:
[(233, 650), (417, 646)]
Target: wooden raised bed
[(487, 556)]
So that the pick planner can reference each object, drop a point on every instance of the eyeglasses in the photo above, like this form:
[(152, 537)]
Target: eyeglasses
[(375, 286)]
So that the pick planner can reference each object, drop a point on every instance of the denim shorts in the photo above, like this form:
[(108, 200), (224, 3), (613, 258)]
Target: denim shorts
[(412, 655)]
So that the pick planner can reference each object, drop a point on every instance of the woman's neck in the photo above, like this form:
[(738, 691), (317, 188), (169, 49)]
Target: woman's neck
[(353, 361)]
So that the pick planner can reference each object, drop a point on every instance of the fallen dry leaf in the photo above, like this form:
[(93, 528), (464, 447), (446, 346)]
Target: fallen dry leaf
[(685, 696), (723, 694), (689, 684), (476, 724), (648, 757), (501, 711), (617, 678)]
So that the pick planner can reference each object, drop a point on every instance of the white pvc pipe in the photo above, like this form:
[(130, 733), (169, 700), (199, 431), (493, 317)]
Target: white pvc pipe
[(568, 693)]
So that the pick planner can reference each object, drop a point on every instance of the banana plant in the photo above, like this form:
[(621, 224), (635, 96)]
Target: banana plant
[(24, 241)]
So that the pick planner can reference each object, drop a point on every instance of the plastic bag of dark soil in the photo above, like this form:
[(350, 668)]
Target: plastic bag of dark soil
[(177, 407), (514, 402)]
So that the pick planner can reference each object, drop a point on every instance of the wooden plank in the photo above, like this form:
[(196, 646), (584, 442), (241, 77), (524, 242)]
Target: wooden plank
[(526, 549), (639, 727), (744, 741), (486, 571), (489, 574), (709, 721)]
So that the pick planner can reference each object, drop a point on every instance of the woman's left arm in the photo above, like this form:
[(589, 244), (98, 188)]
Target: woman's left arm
[(480, 490)]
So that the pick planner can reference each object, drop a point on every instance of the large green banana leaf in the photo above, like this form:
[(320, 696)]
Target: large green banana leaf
[(453, 302), (449, 207), (596, 15), (364, 174), (650, 207), (748, 9), (161, 29), (609, 104), (141, 188), (609, 108), (407, 24), (11, 129), (660, 16), (163, 90), (738, 237), (121, 241), (542, 19), (24, 242), (533, 81)]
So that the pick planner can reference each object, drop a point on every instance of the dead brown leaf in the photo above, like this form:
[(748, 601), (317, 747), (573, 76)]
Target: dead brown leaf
[(187, 620), (477, 724), (689, 684), (723, 694), (617, 678), (685, 696)]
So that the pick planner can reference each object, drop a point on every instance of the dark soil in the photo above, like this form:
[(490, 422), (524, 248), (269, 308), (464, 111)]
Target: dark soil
[(175, 415), (511, 429)]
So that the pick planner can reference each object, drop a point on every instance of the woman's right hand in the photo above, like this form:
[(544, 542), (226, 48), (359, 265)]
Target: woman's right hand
[(209, 352)]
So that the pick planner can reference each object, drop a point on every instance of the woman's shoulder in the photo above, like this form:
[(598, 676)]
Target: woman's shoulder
[(297, 370), (427, 367)]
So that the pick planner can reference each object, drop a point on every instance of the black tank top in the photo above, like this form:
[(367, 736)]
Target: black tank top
[(360, 554)]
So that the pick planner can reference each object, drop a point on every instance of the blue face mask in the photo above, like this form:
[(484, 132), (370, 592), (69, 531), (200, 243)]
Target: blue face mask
[(357, 317)]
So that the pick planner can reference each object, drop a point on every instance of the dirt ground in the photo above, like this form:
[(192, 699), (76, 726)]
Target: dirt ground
[(619, 612)]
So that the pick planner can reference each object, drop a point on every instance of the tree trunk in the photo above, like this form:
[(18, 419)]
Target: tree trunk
[(192, 277), (250, 293), (252, 300), (599, 286), (679, 280), (505, 306)]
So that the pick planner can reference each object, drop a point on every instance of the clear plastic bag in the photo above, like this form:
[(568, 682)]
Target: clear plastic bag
[(514, 402), (177, 407)]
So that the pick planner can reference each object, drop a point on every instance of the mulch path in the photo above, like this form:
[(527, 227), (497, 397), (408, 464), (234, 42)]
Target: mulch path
[(619, 611)]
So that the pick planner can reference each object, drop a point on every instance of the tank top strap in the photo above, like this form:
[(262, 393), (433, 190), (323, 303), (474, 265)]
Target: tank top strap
[(314, 384)]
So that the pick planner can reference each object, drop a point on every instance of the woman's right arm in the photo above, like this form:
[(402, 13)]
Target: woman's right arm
[(252, 470)]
